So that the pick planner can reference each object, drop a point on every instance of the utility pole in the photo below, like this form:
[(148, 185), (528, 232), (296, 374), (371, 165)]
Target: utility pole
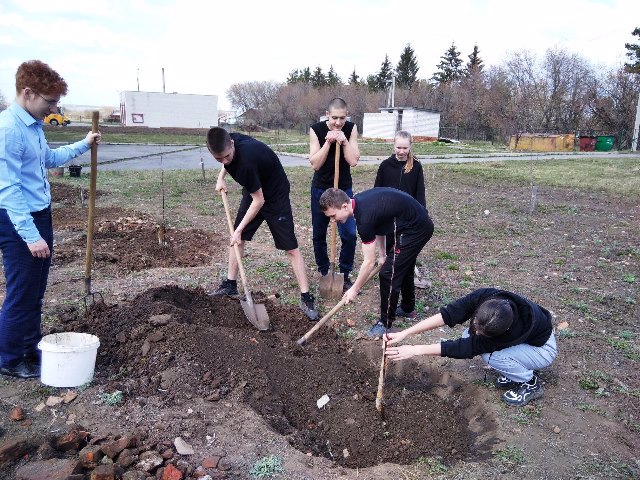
[(138, 77), (163, 90), (636, 126), (391, 93)]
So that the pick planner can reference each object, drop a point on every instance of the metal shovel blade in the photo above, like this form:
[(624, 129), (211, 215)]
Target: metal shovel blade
[(331, 285), (257, 314)]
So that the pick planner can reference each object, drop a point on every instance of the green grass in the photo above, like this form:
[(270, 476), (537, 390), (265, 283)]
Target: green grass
[(619, 176), (267, 467), (510, 456)]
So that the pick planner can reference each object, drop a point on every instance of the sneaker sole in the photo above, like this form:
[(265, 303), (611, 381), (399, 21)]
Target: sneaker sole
[(524, 401)]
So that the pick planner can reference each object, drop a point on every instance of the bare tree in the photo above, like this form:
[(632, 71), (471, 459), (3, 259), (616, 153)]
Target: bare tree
[(612, 104), (252, 95)]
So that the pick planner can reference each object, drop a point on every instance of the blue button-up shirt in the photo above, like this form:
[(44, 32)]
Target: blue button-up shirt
[(24, 158)]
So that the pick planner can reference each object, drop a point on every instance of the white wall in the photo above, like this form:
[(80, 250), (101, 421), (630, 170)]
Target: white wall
[(155, 109), (379, 125), (417, 122)]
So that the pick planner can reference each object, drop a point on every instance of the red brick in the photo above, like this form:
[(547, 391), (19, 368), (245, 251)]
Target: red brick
[(171, 473), (90, 454), (12, 450), (16, 414), (103, 472), (73, 440), (211, 462), (54, 469)]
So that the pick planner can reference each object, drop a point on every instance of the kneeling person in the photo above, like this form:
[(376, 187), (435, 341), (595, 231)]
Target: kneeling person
[(265, 197), (513, 334)]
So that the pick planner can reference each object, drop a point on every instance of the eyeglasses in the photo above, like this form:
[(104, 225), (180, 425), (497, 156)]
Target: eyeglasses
[(49, 102)]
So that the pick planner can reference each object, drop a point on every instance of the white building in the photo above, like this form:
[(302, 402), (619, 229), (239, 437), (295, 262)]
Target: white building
[(422, 124), (157, 109)]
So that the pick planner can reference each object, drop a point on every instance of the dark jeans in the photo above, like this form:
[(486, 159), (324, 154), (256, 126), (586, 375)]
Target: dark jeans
[(347, 232), (26, 279), (396, 275)]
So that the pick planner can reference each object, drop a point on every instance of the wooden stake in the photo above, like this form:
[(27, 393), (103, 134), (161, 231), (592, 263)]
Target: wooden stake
[(383, 370)]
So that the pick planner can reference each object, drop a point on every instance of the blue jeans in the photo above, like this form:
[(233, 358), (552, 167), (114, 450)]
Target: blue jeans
[(347, 232), (517, 363), (26, 280)]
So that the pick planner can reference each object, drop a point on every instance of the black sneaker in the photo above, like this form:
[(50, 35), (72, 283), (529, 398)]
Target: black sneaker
[(523, 393), (401, 313), (377, 331), (227, 287), (347, 284), (503, 383), (307, 306)]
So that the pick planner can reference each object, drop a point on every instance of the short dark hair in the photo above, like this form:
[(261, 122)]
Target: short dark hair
[(337, 103), (41, 78), (218, 140), (332, 198), (493, 317)]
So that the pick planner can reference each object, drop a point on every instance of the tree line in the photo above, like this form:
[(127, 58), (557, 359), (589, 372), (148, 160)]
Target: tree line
[(557, 92)]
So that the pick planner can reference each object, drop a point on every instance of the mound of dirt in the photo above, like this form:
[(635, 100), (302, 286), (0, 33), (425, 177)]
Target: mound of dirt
[(139, 249), (185, 343)]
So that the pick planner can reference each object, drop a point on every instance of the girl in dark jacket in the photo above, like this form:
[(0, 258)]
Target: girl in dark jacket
[(513, 335), (403, 171)]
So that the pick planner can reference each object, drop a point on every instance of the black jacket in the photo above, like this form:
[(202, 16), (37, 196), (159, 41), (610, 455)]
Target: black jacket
[(391, 174), (531, 325)]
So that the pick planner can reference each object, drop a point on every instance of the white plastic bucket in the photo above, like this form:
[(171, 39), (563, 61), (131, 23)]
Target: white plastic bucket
[(68, 358)]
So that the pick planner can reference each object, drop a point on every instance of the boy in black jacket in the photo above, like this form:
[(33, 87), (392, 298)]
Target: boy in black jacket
[(513, 334)]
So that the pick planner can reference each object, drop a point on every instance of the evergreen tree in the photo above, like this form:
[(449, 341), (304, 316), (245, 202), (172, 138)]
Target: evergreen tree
[(318, 78), (294, 76), (354, 79), (379, 81), (305, 75), (450, 66), (332, 77), (475, 62), (407, 69), (633, 52)]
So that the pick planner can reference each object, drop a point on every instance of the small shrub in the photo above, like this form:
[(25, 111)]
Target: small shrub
[(510, 455), (267, 467), (112, 399)]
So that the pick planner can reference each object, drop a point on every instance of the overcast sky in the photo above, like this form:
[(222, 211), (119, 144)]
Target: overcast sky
[(101, 47)]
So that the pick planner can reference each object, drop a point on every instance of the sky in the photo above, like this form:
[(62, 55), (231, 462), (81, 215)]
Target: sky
[(104, 47)]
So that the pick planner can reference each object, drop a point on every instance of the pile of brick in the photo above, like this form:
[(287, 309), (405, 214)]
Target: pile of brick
[(78, 455)]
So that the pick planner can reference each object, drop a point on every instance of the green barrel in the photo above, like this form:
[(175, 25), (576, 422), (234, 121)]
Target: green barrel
[(604, 143)]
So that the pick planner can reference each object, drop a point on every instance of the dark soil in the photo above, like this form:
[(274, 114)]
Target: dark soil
[(208, 349)]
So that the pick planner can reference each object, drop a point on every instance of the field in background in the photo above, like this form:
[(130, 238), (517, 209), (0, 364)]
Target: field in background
[(285, 141)]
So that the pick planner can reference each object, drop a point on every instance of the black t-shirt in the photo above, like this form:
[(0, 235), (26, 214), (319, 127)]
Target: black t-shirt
[(323, 178), (256, 166), (391, 174), (376, 209), (531, 324)]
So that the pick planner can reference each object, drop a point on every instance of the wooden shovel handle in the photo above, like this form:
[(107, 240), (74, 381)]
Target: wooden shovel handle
[(95, 118), (334, 226), (247, 292), (332, 312)]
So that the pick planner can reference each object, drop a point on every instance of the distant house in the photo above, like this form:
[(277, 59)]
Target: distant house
[(248, 118), (157, 109), (421, 123)]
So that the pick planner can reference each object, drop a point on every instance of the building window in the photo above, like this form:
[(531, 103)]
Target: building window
[(137, 117)]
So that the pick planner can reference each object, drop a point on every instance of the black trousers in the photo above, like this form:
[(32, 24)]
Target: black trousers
[(396, 275)]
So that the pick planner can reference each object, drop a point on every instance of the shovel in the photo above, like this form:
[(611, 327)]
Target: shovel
[(332, 312), (256, 313), (90, 297), (383, 371), (332, 283)]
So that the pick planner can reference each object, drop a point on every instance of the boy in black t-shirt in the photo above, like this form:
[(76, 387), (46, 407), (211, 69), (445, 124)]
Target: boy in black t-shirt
[(379, 212), (265, 197)]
